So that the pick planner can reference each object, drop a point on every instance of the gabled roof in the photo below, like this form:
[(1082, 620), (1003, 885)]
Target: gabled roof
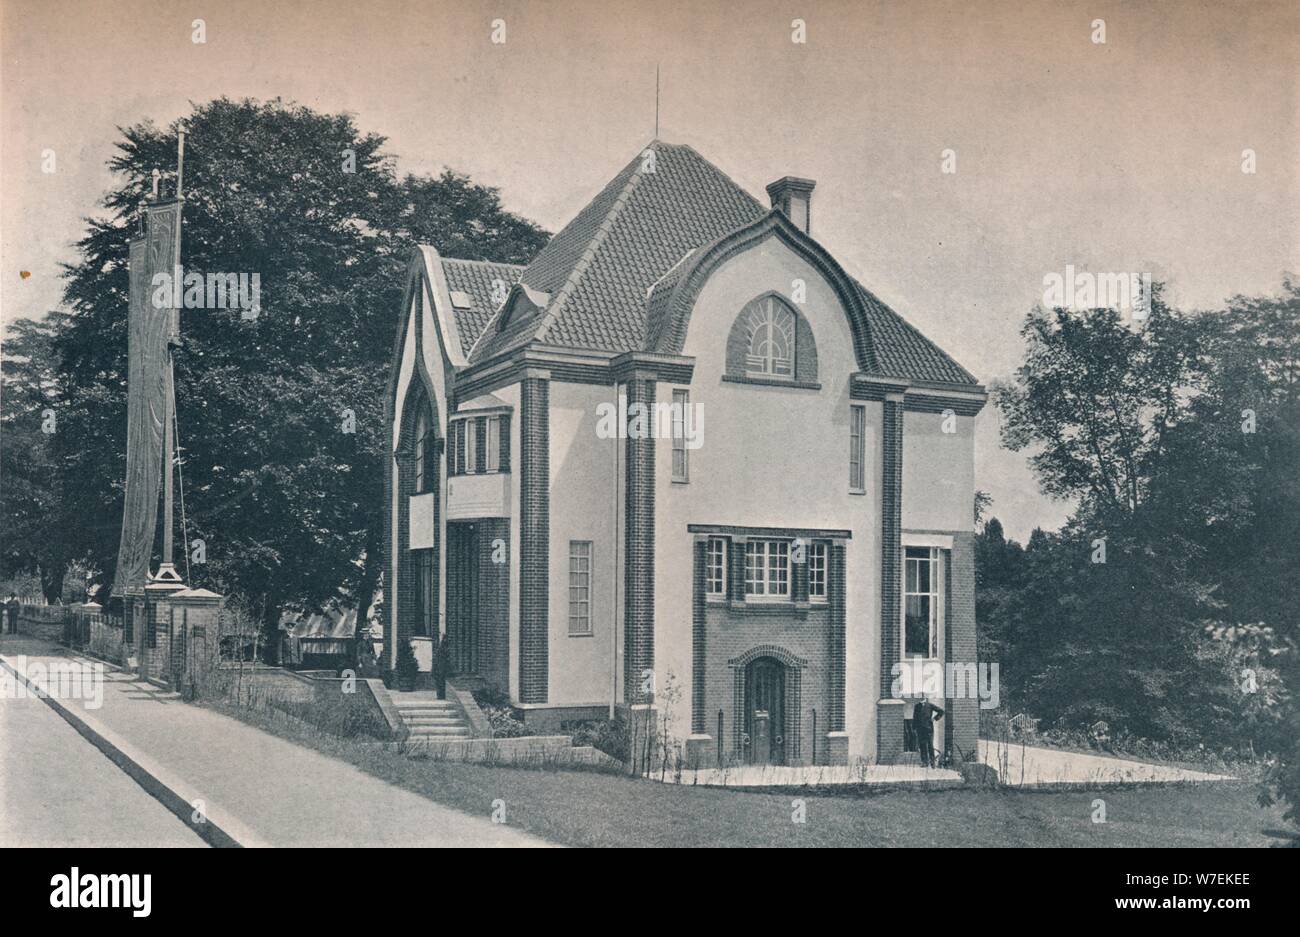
[(598, 268), (606, 281), (473, 280)]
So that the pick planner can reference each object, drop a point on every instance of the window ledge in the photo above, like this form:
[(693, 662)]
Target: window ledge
[(771, 382), (780, 607)]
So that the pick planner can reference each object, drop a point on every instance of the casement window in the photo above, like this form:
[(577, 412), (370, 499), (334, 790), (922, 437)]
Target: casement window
[(817, 555), (471, 446), (767, 569), (426, 603), (921, 571), (715, 568), (492, 458), (579, 587), (681, 414), (770, 325), (857, 448)]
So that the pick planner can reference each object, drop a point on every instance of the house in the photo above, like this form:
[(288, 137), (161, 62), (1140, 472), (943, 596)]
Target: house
[(758, 563)]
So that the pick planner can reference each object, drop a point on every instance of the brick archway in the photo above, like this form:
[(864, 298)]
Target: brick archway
[(794, 668)]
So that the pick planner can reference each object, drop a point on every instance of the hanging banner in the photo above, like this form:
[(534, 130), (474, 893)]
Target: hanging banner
[(148, 328)]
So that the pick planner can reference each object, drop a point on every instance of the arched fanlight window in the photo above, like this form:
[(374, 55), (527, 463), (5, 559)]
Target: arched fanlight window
[(770, 325)]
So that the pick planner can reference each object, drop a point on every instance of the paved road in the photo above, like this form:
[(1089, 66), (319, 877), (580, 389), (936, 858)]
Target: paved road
[(259, 789), (56, 789)]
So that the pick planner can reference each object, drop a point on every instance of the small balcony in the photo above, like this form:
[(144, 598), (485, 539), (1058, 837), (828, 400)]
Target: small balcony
[(473, 496)]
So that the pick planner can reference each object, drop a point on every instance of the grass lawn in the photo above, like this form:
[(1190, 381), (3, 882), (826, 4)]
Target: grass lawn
[(588, 808)]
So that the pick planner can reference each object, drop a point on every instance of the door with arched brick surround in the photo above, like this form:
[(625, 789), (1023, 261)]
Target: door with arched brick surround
[(765, 711)]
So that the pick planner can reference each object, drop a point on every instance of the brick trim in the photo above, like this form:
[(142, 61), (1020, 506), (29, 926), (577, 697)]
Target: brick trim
[(835, 588), (891, 543), (698, 658), (945, 558), (799, 574), (736, 569), (503, 423), (534, 539), (480, 444), (639, 551)]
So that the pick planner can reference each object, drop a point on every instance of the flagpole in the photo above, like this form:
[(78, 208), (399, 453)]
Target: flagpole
[(173, 337)]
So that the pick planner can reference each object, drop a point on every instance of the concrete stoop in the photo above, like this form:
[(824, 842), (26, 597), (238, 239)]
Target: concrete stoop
[(428, 718)]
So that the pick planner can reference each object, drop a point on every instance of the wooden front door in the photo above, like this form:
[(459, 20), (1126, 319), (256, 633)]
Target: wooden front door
[(765, 711), (462, 611)]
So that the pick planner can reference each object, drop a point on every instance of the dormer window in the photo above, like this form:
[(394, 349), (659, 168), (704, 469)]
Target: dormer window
[(771, 329)]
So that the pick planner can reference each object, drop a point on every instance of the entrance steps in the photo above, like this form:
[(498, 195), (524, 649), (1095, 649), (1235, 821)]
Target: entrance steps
[(427, 717)]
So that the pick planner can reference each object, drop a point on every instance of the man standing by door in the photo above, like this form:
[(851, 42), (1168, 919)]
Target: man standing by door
[(923, 717)]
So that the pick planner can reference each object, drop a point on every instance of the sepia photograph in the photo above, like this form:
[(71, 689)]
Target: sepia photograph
[(650, 423)]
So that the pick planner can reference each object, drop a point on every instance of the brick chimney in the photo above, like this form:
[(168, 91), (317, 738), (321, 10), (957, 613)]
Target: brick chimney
[(793, 196)]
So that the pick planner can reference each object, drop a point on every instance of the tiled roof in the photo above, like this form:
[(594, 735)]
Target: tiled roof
[(902, 351), (598, 268), (637, 237), (475, 279)]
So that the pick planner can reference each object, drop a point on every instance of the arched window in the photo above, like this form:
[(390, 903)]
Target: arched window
[(771, 330), (424, 439), (770, 342)]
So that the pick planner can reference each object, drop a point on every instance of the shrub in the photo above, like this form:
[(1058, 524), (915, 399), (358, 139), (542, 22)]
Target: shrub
[(505, 721), (607, 735), (408, 668)]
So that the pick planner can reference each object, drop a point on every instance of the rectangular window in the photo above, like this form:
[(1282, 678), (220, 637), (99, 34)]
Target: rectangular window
[(680, 427), (767, 568), (921, 602), (426, 605), (493, 437), (715, 568), (579, 587), (470, 429), (857, 448), (817, 571)]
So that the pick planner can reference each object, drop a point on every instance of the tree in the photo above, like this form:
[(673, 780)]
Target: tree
[(1168, 604), (1098, 397), (31, 499), (279, 415), (1110, 620)]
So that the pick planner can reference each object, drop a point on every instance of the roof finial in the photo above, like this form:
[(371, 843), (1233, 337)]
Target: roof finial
[(156, 175), (656, 100)]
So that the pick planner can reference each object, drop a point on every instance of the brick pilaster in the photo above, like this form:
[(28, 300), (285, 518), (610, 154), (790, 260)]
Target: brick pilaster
[(799, 575), (961, 727), (504, 423), (697, 638), (835, 586), (478, 427), (891, 552), (639, 545), (534, 537)]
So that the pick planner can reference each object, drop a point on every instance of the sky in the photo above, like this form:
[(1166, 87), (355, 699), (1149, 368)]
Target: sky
[(1122, 156)]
